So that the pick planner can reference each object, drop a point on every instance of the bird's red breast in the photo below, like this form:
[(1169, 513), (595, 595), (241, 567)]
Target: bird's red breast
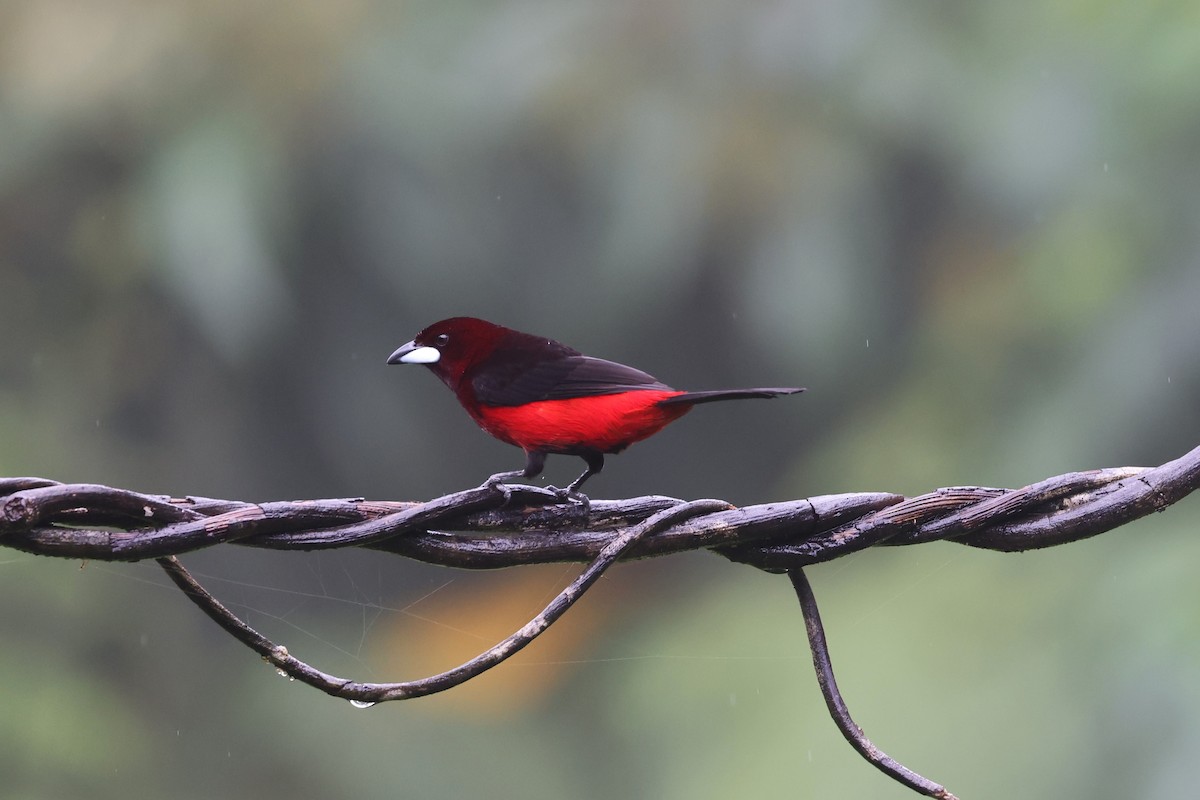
[(605, 423)]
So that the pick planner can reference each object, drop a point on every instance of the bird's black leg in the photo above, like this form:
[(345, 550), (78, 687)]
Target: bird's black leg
[(535, 461), (595, 463)]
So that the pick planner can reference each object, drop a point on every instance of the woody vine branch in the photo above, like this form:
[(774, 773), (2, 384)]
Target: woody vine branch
[(477, 529), (483, 528)]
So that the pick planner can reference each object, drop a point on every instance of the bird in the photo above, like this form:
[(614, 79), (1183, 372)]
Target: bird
[(547, 398)]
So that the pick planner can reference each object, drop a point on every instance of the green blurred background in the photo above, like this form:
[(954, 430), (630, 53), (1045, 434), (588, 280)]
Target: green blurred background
[(969, 228)]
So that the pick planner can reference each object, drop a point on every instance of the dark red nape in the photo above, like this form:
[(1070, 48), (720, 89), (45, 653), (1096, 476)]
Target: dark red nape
[(462, 341)]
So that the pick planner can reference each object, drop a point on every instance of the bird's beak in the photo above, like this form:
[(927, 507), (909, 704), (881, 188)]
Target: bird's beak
[(412, 353)]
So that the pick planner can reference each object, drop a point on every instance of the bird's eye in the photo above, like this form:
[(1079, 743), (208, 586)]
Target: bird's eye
[(441, 339)]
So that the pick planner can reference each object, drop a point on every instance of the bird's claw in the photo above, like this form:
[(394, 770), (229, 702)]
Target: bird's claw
[(572, 496), (496, 483)]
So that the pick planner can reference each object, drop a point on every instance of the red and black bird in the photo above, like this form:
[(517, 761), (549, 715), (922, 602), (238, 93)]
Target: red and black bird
[(545, 397)]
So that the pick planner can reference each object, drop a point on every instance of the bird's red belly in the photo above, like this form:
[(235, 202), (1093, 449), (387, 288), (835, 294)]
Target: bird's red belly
[(604, 423)]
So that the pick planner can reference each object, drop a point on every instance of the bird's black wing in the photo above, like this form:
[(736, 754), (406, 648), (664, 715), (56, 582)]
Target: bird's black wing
[(527, 377)]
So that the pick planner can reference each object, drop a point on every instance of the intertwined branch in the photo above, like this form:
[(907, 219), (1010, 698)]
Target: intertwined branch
[(484, 528)]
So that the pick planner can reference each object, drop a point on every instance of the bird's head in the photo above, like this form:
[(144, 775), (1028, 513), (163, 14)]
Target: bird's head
[(450, 347)]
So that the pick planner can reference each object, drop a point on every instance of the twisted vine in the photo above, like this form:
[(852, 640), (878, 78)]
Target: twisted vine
[(483, 528)]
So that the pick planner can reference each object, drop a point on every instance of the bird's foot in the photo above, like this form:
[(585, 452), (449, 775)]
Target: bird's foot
[(572, 496), (498, 482)]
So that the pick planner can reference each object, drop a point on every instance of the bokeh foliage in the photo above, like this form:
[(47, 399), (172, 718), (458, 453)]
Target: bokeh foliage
[(969, 229)]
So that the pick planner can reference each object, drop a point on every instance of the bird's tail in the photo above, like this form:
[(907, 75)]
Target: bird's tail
[(695, 398)]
